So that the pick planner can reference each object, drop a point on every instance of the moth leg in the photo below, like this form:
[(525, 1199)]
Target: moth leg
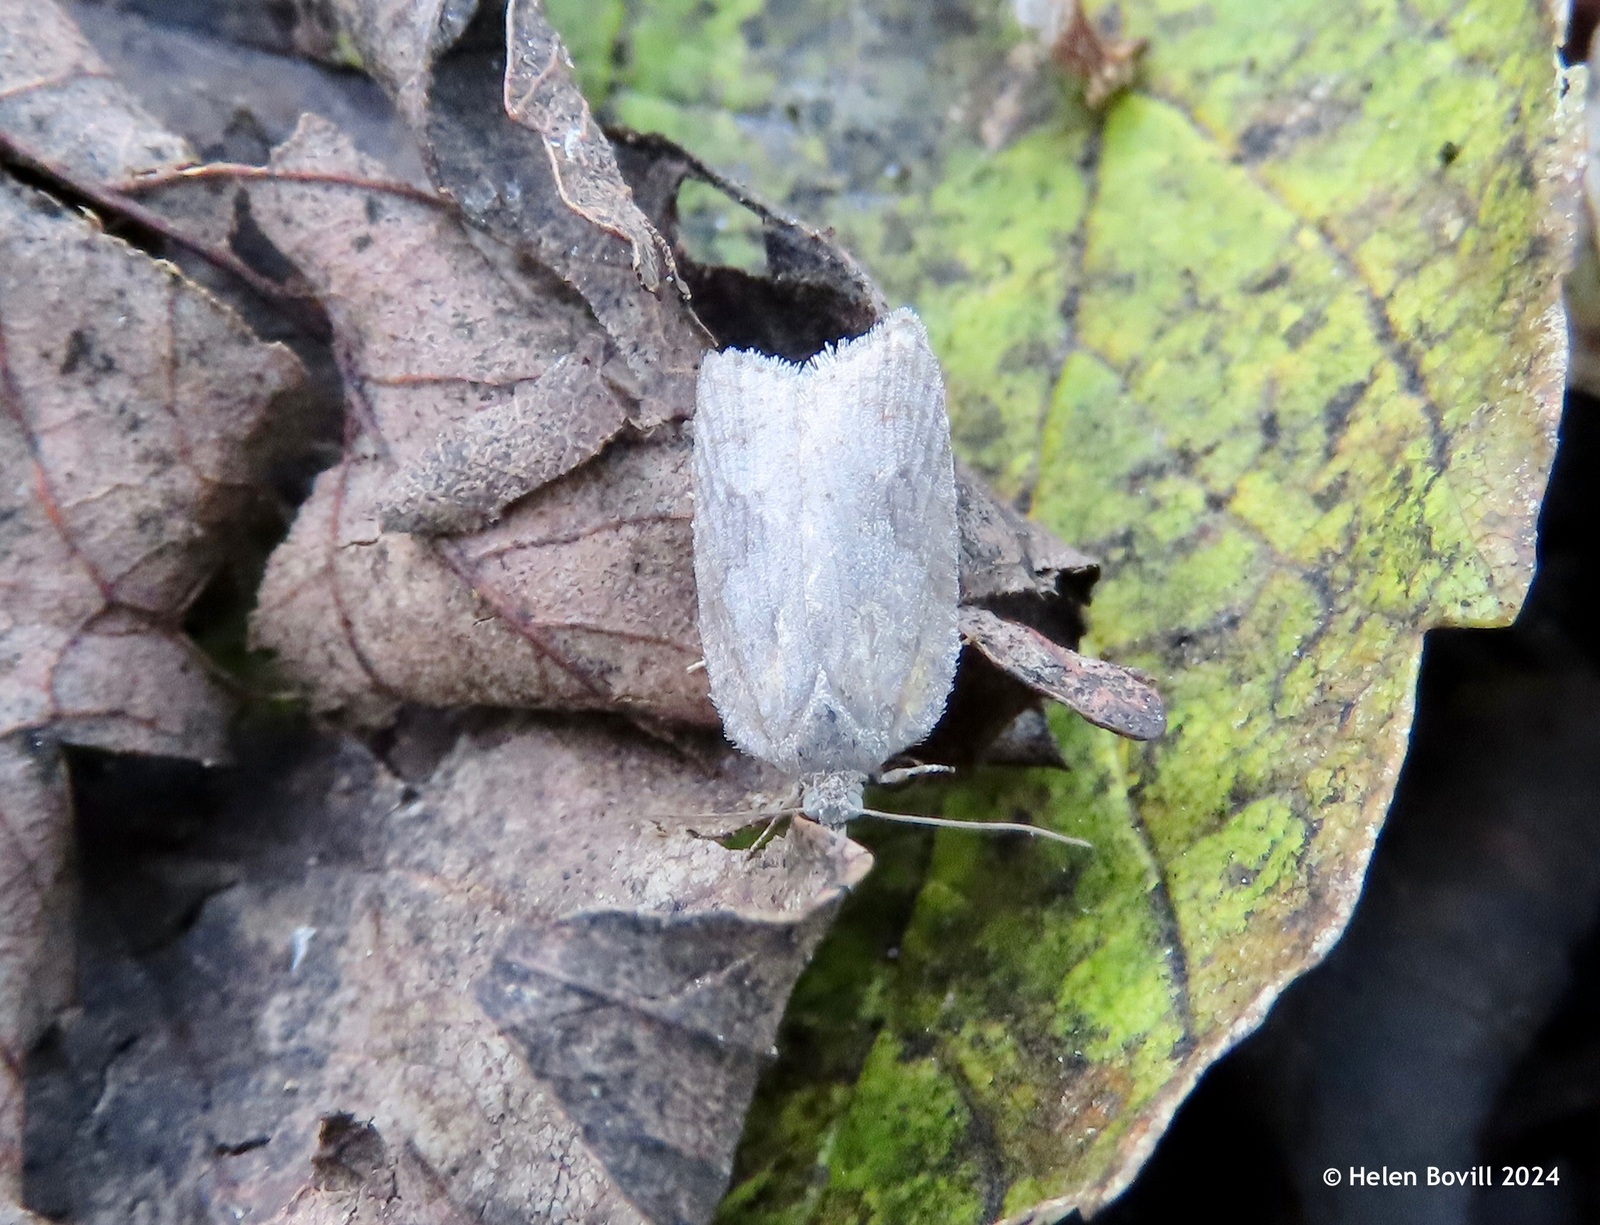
[(768, 834)]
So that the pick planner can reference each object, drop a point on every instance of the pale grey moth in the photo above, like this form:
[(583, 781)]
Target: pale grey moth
[(826, 557)]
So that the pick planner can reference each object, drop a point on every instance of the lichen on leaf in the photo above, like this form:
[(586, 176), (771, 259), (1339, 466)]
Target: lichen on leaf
[(1293, 373)]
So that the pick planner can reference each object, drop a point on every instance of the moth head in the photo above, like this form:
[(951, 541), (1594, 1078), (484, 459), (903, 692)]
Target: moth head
[(834, 798)]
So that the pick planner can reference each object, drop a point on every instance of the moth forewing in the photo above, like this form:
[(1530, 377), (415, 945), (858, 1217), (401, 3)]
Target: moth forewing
[(896, 543), (740, 531)]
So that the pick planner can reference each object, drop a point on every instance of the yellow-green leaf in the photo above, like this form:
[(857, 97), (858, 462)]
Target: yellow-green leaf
[(1277, 337)]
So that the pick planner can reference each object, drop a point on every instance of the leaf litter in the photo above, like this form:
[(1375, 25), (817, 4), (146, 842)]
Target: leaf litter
[(504, 961), (132, 400), (466, 987)]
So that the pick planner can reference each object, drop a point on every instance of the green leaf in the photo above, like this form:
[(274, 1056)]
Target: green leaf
[(1277, 337)]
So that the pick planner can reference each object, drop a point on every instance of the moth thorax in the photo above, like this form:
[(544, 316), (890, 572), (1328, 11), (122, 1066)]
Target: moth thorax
[(832, 798)]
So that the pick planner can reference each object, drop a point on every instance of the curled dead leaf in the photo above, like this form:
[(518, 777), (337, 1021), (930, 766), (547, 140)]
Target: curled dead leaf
[(445, 66), (580, 598), (1108, 696), (540, 93)]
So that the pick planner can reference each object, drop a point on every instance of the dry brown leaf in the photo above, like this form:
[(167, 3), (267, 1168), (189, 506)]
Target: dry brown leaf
[(1105, 694), (35, 923), (55, 89), (129, 399), (545, 996), (445, 354), (541, 94), (477, 467), (58, 97), (398, 40), (445, 66), (580, 597), (129, 396)]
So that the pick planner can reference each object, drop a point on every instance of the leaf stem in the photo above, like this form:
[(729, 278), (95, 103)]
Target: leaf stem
[(239, 171), (18, 155)]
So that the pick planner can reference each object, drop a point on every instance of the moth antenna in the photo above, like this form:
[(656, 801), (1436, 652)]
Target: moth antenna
[(993, 827)]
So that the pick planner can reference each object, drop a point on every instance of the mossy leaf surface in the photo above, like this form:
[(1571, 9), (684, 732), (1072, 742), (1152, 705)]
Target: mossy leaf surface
[(1276, 335)]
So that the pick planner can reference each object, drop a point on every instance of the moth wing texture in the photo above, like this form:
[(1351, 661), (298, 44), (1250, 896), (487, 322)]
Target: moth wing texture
[(826, 548), (746, 562)]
